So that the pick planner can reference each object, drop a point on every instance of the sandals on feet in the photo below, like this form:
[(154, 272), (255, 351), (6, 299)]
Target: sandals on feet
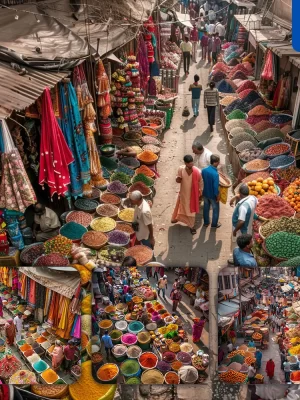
[(193, 231)]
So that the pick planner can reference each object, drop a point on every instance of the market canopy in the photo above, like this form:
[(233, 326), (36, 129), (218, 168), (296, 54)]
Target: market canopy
[(227, 308), (184, 19), (64, 283)]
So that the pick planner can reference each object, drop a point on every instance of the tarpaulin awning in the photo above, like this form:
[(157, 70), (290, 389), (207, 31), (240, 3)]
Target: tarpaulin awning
[(227, 308), (18, 92), (249, 21), (283, 49), (64, 283), (184, 19)]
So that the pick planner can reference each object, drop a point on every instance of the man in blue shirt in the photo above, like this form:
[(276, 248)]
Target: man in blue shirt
[(211, 195), (108, 344), (242, 256), (195, 88)]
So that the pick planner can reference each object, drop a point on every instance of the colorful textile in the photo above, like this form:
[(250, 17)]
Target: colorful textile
[(55, 155), (72, 128), (195, 192)]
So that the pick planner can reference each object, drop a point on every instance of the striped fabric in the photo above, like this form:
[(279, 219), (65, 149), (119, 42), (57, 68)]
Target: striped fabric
[(211, 97)]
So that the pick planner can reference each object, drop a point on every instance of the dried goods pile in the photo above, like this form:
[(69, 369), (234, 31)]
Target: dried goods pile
[(283, 245), (59, 244), (110, 199), (120, 177), (105, 224), (79, 217), (118, 238), (107, 210), (284, 224), (94, 239), (117, 187), (270, 206), (72, 230), (282, 162), (31, 253), (257, 165), (246, 145), (51, 259), (277, 149), (249, 155)]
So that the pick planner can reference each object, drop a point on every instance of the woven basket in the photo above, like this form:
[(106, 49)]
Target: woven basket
[(92, 225)]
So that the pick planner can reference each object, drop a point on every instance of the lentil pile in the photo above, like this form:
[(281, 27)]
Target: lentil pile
[(130, 162), (232, 106), (94, 239), (269, 133), (127, 214), (72, 230), (142, 254), (284, 224), (263, 125), (30, 254), (280, 119), (237, 123), (226, 101), (151, 147), (259, 110), (283, 245), (246, 85), (277, 149), (244, 146), (108, 198), (257, 165), (118, 238), (236, 114), (270, 206), (225, 87), (107, 210), (242, 137), (141, 187), (105, 224), (123, 227), (125, 170), (120, 177), (150, 140), (255, 119), (79, 217), (51, 259), (59, 244), (86, 205), (281, 162)]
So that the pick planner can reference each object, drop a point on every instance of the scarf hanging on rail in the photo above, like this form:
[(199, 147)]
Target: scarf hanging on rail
[(82, 91), (76, 329), (48, 301), (72, 129), (55, 155), (32, 292), (16, 192), (103, 98)]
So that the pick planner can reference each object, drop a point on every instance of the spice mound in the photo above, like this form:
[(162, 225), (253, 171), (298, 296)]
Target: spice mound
[(127, 215), (270, 206), (79, 217), (107, 372), (94, 239), (52, 259), (72, 230), (105, 224)]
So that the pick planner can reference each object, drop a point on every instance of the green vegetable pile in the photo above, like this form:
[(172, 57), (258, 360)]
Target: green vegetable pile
[(283, 245), (292, 262), (143, 178), (121, 177)]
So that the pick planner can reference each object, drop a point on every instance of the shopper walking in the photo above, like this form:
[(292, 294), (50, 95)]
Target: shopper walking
[(57, 355), (194, 40), (251, 373), (108, 344), (186, 48), (287, 370), (204, 46), (187, 205), (156, 273), (18, 322), (201, 26), (243, 214), (176, 297), (211, 195), (110, 292), (209, 48), (10, 332), (220, 29), (211, 101), (216, 47), (142, 219), (196, 89), (270, 368), (162, 285), (70, 353)]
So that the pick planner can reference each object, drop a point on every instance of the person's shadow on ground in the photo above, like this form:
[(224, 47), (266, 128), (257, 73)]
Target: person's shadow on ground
[(188, 124)]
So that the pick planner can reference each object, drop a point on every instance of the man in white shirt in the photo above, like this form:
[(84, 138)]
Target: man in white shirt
[(186, 47), (211, 15), (243, 214), (162, 286), (210, 28), (251, 373), (143, 222), (202, 156), (18, 321), (220, 29), (46, 223)]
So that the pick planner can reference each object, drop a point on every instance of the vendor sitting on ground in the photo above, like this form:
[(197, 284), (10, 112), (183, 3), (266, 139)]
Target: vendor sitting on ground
[(46, 223), (242, 256)]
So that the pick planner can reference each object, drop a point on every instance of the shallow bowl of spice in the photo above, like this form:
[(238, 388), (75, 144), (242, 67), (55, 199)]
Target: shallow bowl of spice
[(118, 238), (107, 210), (108, 198), (277, 149), (94, 240), (80, 217)]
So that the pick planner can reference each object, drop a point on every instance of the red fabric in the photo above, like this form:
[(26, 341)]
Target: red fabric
[(267, 72), (5, 392), (197, 330), (55, 155), (194, 205), (194, 35), (270, 367)]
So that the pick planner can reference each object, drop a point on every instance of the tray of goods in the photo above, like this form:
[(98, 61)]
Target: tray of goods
[(233, 377), (126, 215), (282, 245), (107, 210), (144, 179), (147, 157), (94, 240), (108, 198), (86, 205), (112, 254), (104, 225), (142, 254), (120, 177), (80, 217), (270, 206), (278, 149), (282, 162), (284, 224), (256, 166), (190, 287), (59, 244), (31, 253), (197, 362), (257, 336), (54, 259), (118, 238), (50, 391)]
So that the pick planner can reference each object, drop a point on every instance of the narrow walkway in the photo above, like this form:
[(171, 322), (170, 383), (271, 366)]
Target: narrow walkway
[(175, 246)]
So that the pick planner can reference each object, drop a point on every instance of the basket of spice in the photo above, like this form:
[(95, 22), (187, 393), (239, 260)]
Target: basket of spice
[(146, 171), (120, 177), (104, 225), (107, 210), (142, 254), (282, 246), (141, 187), (130, 162), (94, 240), (151, 147), (277, 149), (31, 253), (134, 136), (151, 140), (72, 231), (118, 238), (284, 224), (144, 179), (126, 215), (50, 391), (147, 130), (80, 217), (147, 157), (112, 254), (257, 165), (108, 198), (54, 259), (86, 205), (117, 188), (125, 227)]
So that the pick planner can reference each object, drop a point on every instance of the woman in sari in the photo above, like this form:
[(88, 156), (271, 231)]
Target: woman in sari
[(198, 328), (187, 205), (10, 332), (57, 355)]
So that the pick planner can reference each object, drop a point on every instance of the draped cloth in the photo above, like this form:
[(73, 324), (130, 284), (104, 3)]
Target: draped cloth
[(194, 205), (16, 192), (55, 155), (72, 128)]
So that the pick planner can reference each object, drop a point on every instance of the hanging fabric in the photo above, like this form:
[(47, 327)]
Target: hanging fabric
[(55, 155), (142, 58), (267, 72), (103, 98), (82, 91), (16, 192), (72, 128)]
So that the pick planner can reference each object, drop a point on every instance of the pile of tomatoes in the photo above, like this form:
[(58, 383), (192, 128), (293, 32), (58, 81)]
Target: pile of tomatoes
[(292, 195)]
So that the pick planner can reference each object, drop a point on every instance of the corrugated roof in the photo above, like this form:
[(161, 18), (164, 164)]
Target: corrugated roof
[(283, 49), (18, 92)]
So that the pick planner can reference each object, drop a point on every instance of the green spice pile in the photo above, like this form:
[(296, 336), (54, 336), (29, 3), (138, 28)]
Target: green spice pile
[(143, 178), (269, 133), (236, 114), (121, 177), (292, 262), (73, 231), (283, 245)]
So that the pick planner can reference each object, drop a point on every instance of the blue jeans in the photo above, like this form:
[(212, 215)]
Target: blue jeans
[(163, 292), (206, 209), (195, 106)]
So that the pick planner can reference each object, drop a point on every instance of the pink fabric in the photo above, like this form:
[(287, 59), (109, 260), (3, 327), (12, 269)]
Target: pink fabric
[(194, 35), (194, 205), (55, 155)]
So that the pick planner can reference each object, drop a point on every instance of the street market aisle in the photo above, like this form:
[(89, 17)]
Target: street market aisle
[(175, 246)]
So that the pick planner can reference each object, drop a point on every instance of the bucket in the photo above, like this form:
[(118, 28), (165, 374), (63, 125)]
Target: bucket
[(135, 327), (17, 242), (144, 339), (130, 368), (121, 326), (134, 352), (119, 352), (116, 336), (105, 325), (114, 370)]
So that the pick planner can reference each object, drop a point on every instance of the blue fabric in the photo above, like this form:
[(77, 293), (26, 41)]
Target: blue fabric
[(128, 297), (211, 180), (1, 139), (195, 106), (235, 216), (72, 128), (196, 91), (243, 259), (216, 211), (106, 339)]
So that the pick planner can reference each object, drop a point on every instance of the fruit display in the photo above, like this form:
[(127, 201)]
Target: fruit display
[(292, 195), (250, 360), (236, 352), (257, 336), (260, 187), (233, 377)]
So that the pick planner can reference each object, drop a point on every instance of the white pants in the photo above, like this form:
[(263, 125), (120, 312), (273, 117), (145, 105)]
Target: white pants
[(18, 336)]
